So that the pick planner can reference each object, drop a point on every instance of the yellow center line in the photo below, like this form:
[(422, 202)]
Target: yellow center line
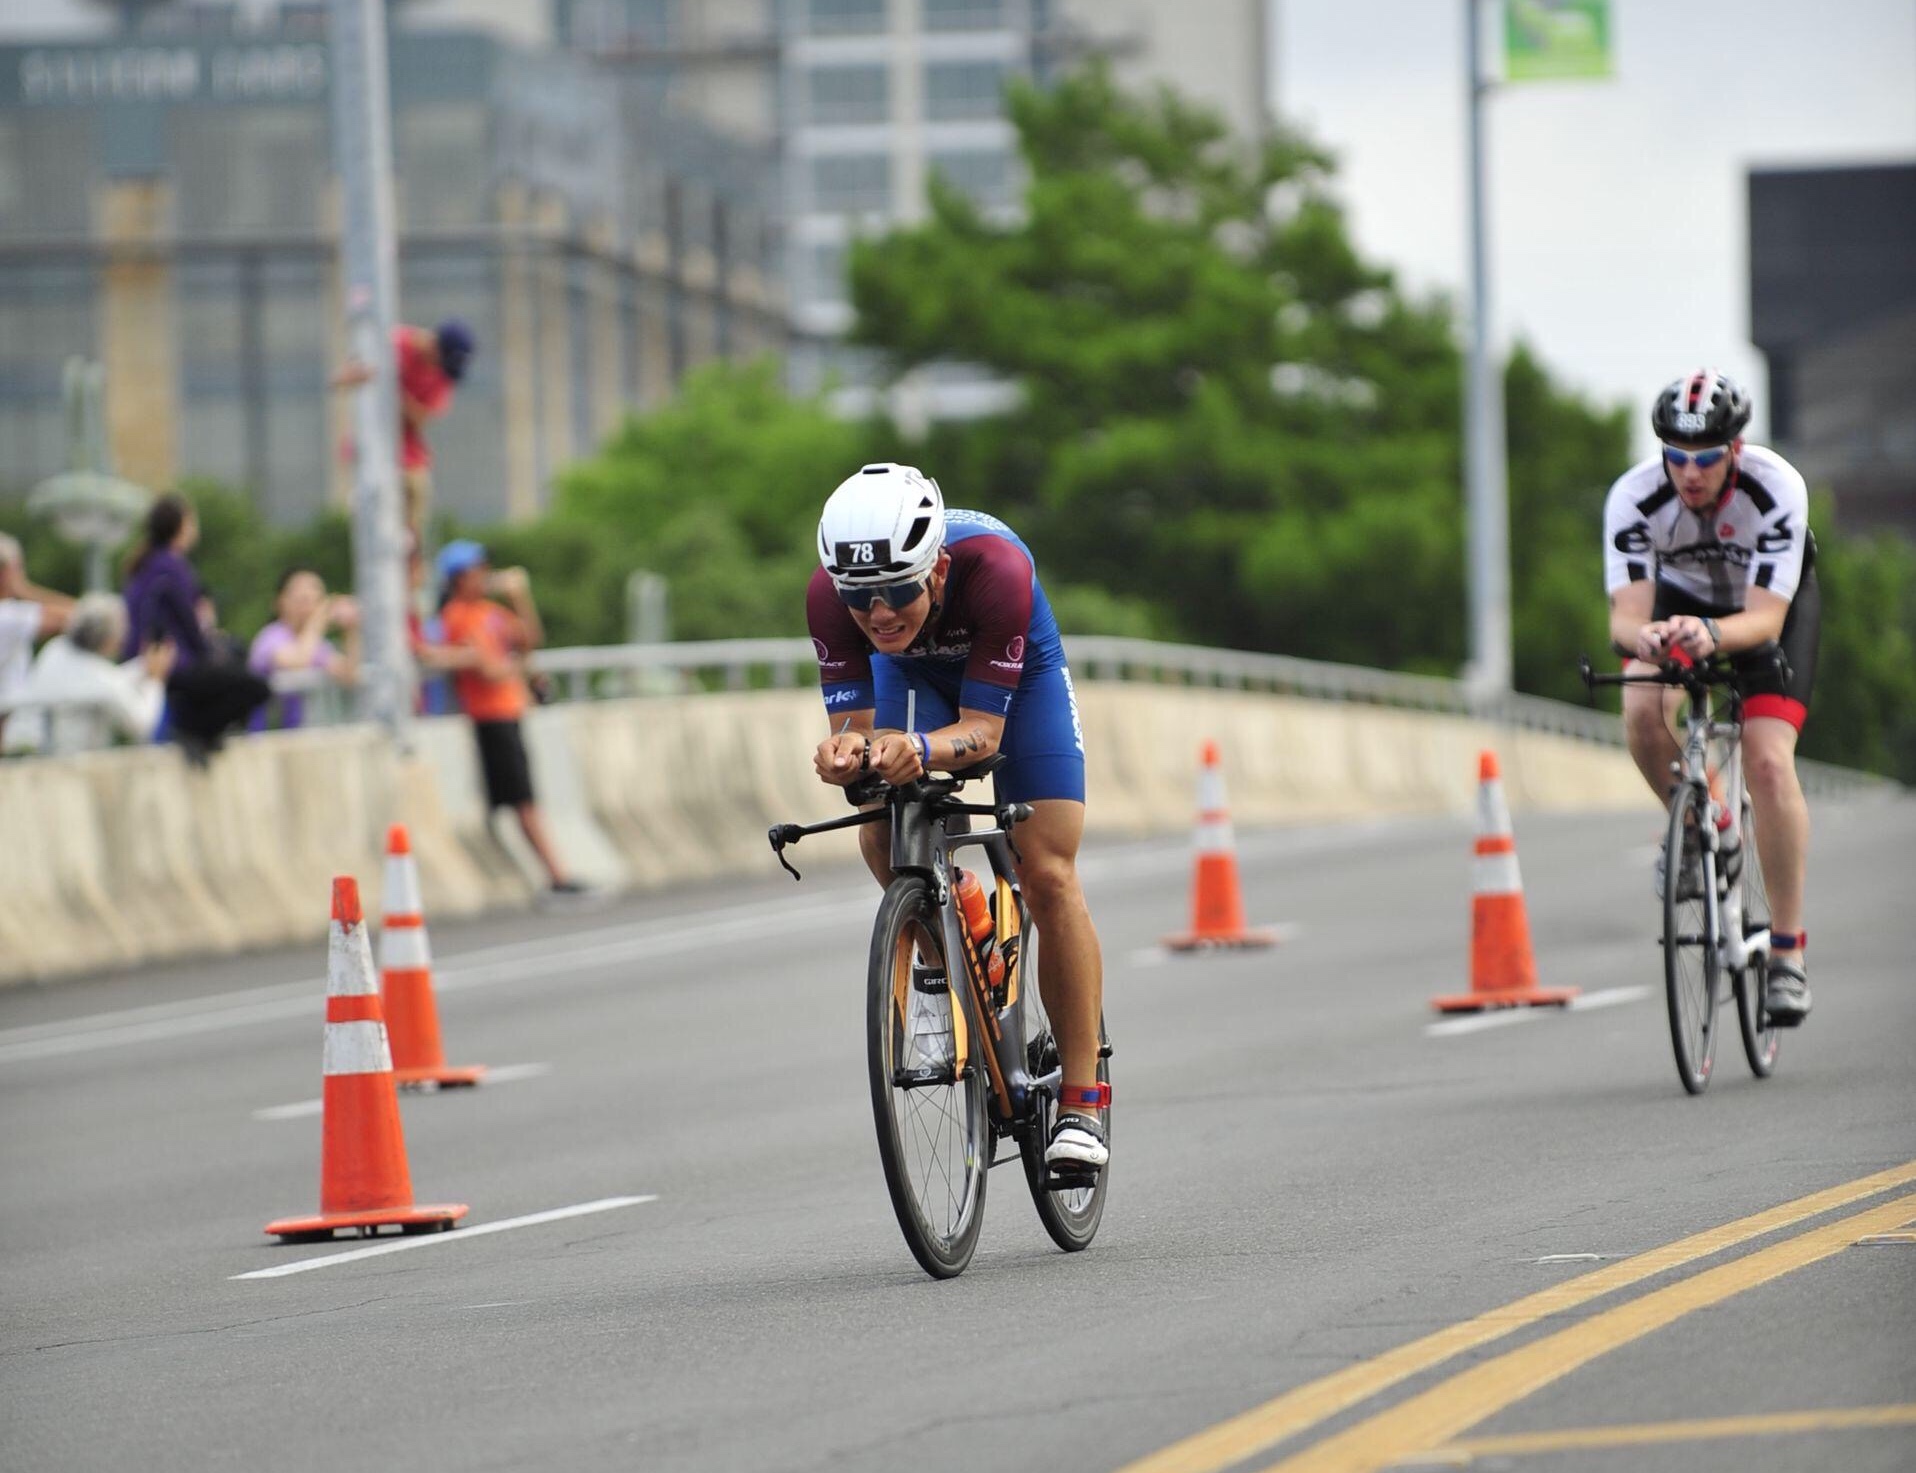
[(1263, 1427), (1581, 1439), (1428, 1420)]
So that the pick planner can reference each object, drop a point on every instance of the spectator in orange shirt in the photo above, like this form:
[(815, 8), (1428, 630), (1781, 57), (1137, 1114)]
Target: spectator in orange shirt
[(430, 363), (492, 692)]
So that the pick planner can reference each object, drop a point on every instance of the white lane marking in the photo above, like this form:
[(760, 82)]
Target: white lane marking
[(504, 1074), (1569, 1258), (1585, 1002), (1478, 1022), (451, 1235), (631, 941), (1610, 997)]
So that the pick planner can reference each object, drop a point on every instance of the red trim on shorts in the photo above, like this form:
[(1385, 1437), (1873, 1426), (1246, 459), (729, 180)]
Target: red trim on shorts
[(1783, 708)]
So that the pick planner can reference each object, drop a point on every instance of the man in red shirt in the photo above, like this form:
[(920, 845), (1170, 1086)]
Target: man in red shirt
[(492, 691), (430, 364)]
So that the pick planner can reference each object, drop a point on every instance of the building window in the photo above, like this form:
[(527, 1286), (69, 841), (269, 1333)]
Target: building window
[(964, 89), (845, 17), (441, 153), (851, 181), (983, 176), (964, 15), (822, 274), (589, 24), (249, 170), (848, 94)]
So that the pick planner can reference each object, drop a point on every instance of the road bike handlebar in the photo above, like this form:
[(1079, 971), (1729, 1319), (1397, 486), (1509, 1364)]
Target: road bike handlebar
[(1693, 675), (934, 791)]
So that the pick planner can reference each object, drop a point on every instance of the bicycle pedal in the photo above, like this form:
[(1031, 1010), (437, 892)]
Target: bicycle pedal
[(926, 1078), (1071, 1178)]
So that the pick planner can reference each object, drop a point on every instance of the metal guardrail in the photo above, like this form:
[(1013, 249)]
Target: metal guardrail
[(588, 672)]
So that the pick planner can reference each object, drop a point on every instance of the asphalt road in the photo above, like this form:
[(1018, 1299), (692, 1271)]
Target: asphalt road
[(1327, 1225)]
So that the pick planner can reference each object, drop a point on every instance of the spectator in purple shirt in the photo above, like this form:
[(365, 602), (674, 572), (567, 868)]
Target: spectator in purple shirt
[(296, 640), (162, 590)]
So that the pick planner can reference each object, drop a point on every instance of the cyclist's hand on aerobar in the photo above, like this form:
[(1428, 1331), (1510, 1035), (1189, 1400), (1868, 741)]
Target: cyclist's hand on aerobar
[(1688, 633), (895, 758), (840, 759)]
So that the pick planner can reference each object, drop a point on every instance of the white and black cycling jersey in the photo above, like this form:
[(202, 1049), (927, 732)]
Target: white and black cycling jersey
[(1756, 536)]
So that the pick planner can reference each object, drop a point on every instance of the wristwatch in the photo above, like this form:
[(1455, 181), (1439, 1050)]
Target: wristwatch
[(1716, 636)]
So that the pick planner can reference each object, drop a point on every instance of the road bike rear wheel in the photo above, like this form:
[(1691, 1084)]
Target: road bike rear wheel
[(1070, 1216), (1761, 1040), (1690, 961), (933, 1137)]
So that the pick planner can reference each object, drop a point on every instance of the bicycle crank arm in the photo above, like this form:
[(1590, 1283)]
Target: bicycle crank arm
[(931, 1077)]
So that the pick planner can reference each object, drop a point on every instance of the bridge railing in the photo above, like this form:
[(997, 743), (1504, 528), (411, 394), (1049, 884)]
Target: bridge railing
[(588, 672)]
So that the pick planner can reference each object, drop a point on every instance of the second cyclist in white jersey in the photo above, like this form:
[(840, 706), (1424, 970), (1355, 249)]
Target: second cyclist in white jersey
[(1707, 549)]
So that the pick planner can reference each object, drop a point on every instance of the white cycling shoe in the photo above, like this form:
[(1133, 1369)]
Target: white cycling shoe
[(1077, 1144)]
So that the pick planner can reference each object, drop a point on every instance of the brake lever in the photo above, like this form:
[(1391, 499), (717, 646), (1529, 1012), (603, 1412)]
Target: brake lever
[(781, 834)]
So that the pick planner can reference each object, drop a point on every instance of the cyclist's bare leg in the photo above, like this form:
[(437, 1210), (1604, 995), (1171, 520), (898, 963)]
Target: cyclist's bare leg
[(1072, 966), (1649, 728), (1782, 816)]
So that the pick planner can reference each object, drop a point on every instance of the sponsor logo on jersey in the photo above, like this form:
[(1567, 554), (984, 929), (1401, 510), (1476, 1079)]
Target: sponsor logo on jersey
[(1635, 538), (1709, 552), (1777, 539), (841, 697), (1016, 650), (1007, 664), (1724, 529), (818, 648)]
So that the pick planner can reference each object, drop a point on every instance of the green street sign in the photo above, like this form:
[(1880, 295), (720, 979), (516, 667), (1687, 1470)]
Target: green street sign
[(1549, 40)]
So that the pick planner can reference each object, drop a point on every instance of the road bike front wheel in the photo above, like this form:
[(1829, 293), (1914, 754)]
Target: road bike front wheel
[(1761, 1039), (933, 1137), (1690, 960), (1070, 1216)]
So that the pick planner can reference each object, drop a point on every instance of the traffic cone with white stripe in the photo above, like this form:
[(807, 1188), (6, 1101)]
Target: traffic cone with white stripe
[(405, 978), (1217, 902), (363, 1179), (1503, 971)]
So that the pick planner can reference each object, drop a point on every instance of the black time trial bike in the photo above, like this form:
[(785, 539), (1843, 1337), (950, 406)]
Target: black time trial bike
[(959, 1049)]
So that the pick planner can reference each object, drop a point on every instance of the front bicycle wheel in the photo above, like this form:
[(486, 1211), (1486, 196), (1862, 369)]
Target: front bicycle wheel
[(1690, 962), (1761, 1039), (1070, 1216), (933, 1137)]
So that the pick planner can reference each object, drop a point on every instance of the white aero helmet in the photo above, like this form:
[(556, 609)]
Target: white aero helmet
[(884, 525)]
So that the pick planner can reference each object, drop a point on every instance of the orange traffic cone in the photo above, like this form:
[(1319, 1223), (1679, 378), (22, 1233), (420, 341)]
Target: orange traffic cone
[(1503, 972), (405, 977), (363, 1180), (1217, 905)]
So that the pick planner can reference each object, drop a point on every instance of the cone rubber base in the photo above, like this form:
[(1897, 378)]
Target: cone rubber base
[(418, 1218), (440, 1078), (1516, 997), (1229, 941)]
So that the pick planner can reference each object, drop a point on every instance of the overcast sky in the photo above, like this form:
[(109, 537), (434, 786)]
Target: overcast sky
[(1617, 209)]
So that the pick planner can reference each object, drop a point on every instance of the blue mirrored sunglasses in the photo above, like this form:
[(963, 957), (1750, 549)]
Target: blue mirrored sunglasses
[(897, 595), (1701, 459)]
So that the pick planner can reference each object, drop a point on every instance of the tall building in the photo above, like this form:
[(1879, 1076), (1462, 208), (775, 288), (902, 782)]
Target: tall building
[(1833, 307), (864, 100), (166, 206)]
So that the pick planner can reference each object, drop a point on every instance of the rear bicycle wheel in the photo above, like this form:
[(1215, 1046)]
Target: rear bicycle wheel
[(1761, 1040), (1690, 964), (933, 1137), (1070, 1216)]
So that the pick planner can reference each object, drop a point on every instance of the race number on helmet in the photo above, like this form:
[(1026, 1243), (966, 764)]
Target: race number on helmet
[(1701, 409), (885, 524)]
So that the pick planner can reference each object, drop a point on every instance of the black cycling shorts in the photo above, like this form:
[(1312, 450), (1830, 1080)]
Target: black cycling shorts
[(502, 757), (1764, 694)]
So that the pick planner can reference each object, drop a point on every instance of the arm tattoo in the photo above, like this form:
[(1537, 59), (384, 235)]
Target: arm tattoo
[(967, 742)]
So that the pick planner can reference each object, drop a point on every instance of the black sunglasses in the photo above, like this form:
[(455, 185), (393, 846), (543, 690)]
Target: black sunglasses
[(897, 595)]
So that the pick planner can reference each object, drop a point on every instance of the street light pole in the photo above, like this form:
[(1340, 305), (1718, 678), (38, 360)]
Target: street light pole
[(1489, 671), (362, 154)]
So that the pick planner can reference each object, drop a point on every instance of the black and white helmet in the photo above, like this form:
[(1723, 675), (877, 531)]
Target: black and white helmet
[(884, 525), (1700, 409)]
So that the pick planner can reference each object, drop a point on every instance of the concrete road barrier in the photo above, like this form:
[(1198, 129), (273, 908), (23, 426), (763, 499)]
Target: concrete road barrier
[(117, 858)]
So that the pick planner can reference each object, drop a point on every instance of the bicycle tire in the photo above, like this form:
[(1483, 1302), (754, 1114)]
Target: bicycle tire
[(1690, 962), (1761, 1040), (933, 1139), (1071, 1217)]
